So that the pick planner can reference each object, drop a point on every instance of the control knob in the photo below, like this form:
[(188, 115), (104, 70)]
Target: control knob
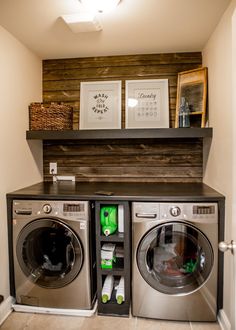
[(47, 208), (175, 211)]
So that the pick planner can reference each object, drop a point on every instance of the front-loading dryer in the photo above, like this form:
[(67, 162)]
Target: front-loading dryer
[(175, 261), (52, 254)]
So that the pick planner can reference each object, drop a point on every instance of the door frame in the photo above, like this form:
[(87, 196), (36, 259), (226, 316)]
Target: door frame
[(233, 296)]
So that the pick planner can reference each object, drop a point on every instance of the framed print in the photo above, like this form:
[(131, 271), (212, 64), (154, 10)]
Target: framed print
[(147, 103), (192, 90), (100, 105)]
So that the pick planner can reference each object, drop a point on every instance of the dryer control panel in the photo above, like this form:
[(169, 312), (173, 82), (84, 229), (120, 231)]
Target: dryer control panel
[(193, 212)]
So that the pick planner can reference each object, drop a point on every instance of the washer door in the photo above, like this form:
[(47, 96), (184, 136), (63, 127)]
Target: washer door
[(175, 258), (49, 253)]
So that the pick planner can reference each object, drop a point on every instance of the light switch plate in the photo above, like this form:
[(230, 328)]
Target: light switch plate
[(52, 168)]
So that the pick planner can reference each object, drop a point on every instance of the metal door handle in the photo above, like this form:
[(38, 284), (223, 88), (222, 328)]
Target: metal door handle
[(223, 246)]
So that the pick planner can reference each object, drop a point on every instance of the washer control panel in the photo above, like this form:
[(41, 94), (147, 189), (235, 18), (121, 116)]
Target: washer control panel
[(71, 210)]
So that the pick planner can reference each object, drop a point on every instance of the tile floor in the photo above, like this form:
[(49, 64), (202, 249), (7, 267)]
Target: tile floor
[(27, 321)]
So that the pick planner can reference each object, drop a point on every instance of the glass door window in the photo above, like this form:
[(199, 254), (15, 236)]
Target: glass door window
[(49, 253), (175, 258)]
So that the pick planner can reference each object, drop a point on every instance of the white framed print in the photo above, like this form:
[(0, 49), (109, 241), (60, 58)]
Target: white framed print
[(147, 103), (100, 105)]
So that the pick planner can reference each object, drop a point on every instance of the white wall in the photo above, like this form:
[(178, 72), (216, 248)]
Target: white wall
[(217, 56), (20, 164)]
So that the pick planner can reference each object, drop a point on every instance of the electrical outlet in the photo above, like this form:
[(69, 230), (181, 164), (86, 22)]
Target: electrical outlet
[(52, 168)]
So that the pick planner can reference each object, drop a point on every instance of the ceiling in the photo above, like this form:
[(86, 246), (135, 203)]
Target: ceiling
[(134, 27)]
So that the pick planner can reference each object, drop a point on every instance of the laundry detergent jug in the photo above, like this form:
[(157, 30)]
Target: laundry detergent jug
[(108, 216)]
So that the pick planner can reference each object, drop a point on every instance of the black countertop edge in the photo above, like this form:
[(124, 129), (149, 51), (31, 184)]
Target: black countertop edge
[(180, 192), (120, 198)]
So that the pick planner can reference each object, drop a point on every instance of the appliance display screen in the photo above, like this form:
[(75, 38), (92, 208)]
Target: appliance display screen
[(200, 209), (73, 207)]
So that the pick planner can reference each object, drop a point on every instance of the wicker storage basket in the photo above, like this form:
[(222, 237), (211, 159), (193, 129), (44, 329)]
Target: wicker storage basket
[(52, 116)]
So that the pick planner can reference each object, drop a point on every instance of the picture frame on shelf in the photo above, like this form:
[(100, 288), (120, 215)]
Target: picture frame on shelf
[(147, 103), (192, 90), (100, 105)]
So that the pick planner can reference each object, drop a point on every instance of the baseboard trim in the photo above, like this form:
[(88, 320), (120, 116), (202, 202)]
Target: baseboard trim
[(223, 320), (5, 309)]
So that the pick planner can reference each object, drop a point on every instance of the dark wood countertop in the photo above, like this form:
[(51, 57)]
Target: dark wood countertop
[(121, 191)]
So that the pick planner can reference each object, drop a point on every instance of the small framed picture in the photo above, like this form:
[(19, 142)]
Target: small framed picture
[(100, 105), (192, 90), (147, 103)]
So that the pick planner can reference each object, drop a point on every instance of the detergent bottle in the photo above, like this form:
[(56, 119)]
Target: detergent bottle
[(107, 288), (120, 291), (108, 216)]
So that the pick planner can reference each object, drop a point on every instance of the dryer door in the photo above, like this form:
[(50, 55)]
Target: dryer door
[(175, 258), (49, 253)]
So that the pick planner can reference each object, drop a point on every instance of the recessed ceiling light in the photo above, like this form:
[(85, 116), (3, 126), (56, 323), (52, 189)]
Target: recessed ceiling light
[(100, 5)]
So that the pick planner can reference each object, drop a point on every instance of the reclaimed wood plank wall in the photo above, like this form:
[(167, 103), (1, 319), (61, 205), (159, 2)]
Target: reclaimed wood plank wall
[(140, 161)]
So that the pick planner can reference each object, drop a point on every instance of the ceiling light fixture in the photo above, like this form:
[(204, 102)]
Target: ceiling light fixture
[(100, 6), (82, 22)]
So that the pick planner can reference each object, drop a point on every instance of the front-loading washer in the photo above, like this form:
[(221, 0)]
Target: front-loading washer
[(175, 252), (52, 254)]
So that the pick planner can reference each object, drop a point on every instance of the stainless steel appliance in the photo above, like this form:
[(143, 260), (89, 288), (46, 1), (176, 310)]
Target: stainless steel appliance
[(53, 262), (175, 261)]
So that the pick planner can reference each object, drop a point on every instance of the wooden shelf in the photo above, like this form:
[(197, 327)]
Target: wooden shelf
[(119, 237), (153, 133)]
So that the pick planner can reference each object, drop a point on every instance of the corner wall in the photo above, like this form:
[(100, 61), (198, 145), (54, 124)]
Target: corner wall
[(217, 56), (21, 163)]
